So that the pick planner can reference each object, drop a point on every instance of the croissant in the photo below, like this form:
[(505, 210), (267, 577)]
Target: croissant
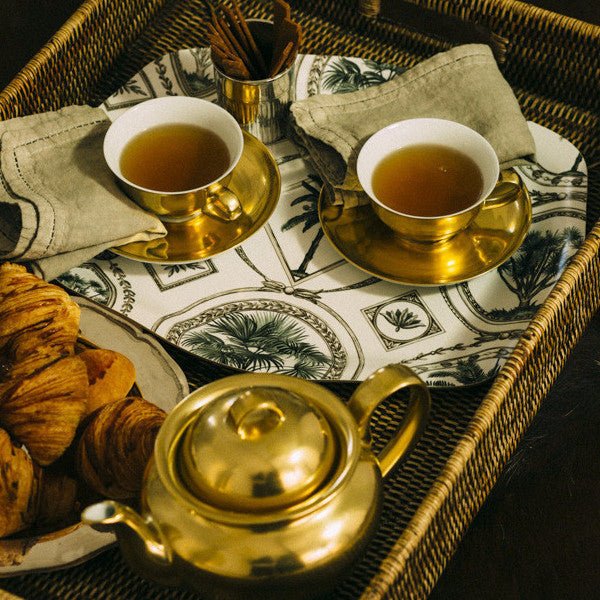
[(34, 313), (19, 482), (43, 410), (111, 376), (116, 445), (43, 386), (58, 500), (48, 386)]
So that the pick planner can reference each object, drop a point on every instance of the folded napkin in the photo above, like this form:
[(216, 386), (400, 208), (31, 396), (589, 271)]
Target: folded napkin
[(463, 84), (59, 203)]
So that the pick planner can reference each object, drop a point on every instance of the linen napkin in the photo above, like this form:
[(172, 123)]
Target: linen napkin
[(463, 84), (59, 202)]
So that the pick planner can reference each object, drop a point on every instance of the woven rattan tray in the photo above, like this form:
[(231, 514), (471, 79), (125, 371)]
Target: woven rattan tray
[(551, 62)]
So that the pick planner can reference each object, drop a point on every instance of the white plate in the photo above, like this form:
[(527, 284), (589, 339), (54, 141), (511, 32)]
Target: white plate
[(160, 381)]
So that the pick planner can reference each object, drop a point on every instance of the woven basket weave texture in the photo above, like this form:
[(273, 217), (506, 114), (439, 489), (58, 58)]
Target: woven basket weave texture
[(551, 63)]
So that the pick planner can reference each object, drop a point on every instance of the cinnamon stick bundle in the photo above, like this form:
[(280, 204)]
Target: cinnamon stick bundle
[(239, 54)]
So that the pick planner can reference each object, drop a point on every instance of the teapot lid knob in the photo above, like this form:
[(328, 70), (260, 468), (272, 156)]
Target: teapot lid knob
[(256, 449), (254, 414)]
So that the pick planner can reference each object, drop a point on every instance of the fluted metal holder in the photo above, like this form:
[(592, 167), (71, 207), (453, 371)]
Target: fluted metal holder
[(260, 106)]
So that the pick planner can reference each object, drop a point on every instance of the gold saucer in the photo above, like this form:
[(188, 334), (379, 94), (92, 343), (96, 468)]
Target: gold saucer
[(257, 184), (493, 236)]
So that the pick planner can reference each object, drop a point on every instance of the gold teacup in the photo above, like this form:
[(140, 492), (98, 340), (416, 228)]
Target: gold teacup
[(155, 123), (445, 209)]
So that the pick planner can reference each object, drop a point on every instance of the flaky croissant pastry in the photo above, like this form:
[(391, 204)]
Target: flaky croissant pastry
[(58, 500), (111, 376), (19, 481), (43, 386), (34, 314), (116, 445), (58, 401), (44, 409)]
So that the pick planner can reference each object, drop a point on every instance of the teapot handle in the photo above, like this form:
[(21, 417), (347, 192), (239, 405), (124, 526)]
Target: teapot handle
[(378, 386)]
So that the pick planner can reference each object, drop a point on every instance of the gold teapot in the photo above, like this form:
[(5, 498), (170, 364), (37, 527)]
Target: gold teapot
[(263, 486)]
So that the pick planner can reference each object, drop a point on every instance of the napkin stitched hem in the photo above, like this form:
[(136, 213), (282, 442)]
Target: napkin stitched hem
[(61, 204), (381, 97), (55, 230)]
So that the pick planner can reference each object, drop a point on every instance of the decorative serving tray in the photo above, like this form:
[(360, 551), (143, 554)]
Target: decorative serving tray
[(550, 61), (286, 301)]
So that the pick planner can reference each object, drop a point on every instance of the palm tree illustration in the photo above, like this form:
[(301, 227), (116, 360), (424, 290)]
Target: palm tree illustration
[(173, 270), (88, 288), (131, 87), (308, 218), (537, 263), (345, 75), (468, 371), (199, 79), (259, 342)]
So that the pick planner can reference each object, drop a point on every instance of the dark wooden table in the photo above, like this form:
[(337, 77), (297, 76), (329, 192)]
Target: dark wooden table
[(538, 534)]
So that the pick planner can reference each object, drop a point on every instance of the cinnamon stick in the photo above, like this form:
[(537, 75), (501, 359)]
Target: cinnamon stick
[(281, 60), (245, 34), (238, 48), (288, 32), (235, 49)]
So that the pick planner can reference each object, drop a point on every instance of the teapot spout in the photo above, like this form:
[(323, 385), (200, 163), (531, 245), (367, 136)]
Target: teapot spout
[(141, 541)]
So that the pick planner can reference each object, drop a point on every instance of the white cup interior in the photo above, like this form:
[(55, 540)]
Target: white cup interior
[(427, 131), (176, 110)]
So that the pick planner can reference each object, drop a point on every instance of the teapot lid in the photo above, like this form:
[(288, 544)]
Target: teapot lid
[(255, 449)]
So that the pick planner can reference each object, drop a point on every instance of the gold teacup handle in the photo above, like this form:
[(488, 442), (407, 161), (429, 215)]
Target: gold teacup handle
[(505, 191), (223, 204), (378, 386)]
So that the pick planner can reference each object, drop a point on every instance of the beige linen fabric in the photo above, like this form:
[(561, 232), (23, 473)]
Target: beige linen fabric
[(59, 203), (463, 84)]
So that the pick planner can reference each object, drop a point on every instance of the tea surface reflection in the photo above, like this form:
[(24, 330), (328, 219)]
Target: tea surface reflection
[(174, 158), (427, 180)]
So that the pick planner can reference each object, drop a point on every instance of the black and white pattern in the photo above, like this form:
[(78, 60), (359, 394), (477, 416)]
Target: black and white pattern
[(285, 301)]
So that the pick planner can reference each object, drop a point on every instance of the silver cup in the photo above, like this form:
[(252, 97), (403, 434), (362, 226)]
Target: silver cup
[(260, 106)]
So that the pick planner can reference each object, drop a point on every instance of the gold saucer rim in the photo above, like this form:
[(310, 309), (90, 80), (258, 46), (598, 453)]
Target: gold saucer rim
[(254, 151), (520, 205)]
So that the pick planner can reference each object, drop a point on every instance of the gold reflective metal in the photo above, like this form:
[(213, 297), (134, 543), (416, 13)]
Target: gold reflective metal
[(260, 106), (492, 237), (294, 549), (256, 448), (255, 181), (216, 199)]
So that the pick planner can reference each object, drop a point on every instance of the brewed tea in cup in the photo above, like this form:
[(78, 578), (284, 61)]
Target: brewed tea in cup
[(427, 178), (174, 157)]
